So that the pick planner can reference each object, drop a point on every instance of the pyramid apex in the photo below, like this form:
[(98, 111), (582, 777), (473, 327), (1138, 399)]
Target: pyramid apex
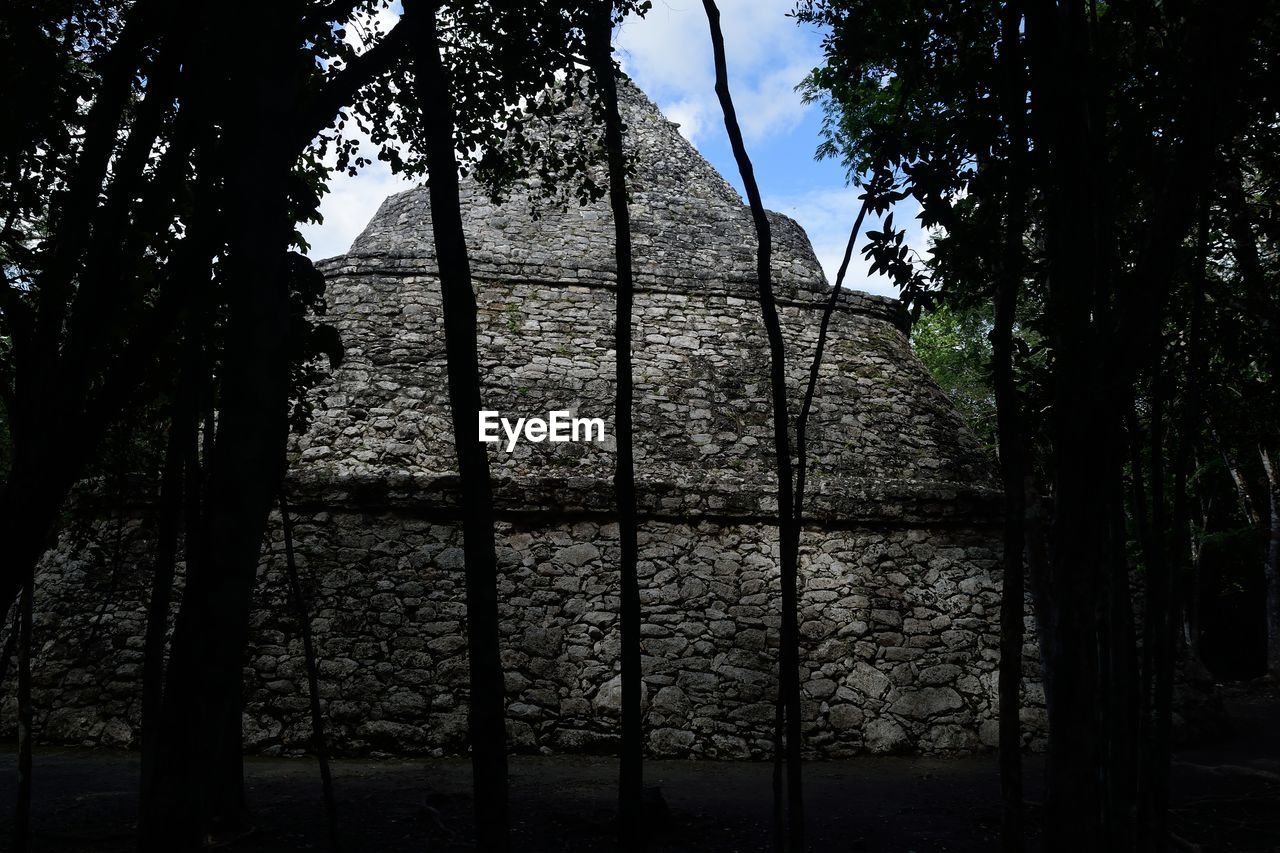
[(690, 228)]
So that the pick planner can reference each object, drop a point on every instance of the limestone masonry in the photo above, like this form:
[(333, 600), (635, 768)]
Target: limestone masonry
[(900, 559)]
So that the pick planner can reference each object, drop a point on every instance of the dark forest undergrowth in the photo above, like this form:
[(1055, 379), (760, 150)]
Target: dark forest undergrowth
[(1227, 798)]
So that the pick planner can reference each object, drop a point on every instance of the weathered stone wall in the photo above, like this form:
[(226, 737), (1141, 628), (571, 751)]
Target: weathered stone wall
[(701, 384), (900, 574), (899, 646), (544, 285)]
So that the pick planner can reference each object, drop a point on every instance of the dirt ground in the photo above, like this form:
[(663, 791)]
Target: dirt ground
[(1227, 798)]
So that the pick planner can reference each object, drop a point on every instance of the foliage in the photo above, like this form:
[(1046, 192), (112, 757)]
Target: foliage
[(915, 90), (954, 346), (906, 91), (518, 77), (1083, 152)]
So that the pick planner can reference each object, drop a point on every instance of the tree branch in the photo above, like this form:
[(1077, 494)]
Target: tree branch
[(319, 113)]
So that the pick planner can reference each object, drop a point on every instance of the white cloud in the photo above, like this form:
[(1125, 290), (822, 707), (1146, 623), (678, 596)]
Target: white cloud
[(668, 52), (690, 115), (352, 201), (828, 214), (773, 105), (348, 207)]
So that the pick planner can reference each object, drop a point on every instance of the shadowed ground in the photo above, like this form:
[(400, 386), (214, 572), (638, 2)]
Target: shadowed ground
[(1227, 799)]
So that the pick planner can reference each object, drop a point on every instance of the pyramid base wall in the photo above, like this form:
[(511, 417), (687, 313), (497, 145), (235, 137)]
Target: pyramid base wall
[(899, 631)]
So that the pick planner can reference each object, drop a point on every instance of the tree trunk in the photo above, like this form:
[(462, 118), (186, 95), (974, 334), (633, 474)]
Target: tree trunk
[(1164, 603), (1079, 425), (801, 469), (1010, 437), (788, 531), (182, 435), (51, 437), (815, 367), (22, 808), (1199, 582), (180, 500), (313, 675), (10, 644), (200, 775), (1119, 687), (29, 507), (487, 706), (1271, 570), (631, 829), (1242, 492)]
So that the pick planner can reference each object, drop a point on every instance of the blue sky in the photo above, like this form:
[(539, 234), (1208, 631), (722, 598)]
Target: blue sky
[(668, 54)]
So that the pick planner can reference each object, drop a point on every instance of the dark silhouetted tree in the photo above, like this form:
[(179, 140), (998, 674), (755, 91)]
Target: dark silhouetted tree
[(788, 531), (487, 705), (1118, 102), (631, 828)]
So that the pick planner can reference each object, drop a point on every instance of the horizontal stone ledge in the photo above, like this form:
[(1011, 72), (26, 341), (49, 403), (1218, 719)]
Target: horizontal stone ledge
[(788, 293), (831, 504), (846, 503)]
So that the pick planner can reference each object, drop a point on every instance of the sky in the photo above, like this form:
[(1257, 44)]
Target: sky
[(668, 54)]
